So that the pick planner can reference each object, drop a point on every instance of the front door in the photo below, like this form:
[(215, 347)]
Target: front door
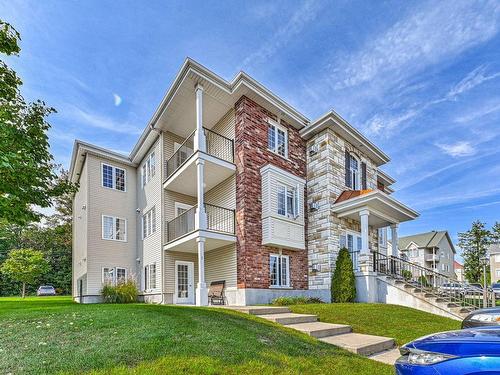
[(184, 282)]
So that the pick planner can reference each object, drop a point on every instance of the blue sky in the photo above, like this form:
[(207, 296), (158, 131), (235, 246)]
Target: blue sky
[(420, 79)]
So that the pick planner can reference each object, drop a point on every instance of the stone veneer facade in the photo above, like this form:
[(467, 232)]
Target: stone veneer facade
[(251, 154), (325, 182)]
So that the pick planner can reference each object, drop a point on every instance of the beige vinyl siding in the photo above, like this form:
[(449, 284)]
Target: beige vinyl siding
[(170, 198), (220, 264), (226, 125), (104, 201), (148, 197), (169, 140), (170, 258), (224, 194), (80, 231)]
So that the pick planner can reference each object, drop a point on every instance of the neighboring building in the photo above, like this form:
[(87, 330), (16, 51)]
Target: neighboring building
[(459, 271), (494, 253), (229, 182), (433, 250)]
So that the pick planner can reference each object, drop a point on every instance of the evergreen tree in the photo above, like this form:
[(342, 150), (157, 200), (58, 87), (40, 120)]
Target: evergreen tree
[(343, 287), (474, 244)]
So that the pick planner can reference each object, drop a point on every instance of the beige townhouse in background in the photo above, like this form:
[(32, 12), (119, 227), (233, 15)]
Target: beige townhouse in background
[(494, 253), (230, 183)]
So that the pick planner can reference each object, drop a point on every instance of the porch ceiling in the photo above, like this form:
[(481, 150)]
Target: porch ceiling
[(384, 209), (213, 240)]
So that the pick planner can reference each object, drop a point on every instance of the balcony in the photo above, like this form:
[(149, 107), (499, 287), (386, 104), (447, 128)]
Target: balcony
[(181, 232), (432, 258), (180, 168)]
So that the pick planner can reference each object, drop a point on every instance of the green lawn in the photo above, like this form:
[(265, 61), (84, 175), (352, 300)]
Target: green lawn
[(49, 335), (401, 323)]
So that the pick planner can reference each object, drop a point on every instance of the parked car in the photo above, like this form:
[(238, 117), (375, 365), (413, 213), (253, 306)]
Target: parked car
[(46, 290), (467, 351), (482, 318), (495, 287)]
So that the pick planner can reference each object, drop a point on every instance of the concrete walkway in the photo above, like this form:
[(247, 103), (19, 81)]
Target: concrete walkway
[(378, 348)]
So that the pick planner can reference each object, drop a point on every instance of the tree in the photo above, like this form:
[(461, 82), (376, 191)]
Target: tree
[(495, 233), (27, 176), (343, 287), (474, 244), (25, 265)]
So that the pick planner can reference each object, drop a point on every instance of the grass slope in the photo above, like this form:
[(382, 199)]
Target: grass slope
[(54, 335), (399, 322)]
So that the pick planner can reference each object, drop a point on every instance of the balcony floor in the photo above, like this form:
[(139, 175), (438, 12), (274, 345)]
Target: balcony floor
[(213, 240), (183, 180)]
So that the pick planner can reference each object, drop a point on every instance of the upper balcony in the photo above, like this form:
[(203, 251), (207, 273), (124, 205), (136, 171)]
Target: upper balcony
[(432, 257), (180, 168)]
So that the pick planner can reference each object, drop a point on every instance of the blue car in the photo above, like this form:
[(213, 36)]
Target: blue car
[(473, 351)]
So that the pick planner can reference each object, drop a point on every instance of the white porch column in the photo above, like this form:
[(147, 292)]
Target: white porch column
[(365, 247), (201, 287), (199, 135), (200, 215), (394, 240)]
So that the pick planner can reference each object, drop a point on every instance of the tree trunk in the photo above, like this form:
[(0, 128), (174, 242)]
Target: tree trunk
[(24, 290)]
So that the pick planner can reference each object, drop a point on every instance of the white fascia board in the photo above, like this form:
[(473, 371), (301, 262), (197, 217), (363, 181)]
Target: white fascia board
[(385, 177), (274, 169)]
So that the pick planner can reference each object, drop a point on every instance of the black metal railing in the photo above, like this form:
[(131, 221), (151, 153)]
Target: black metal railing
[(433, 284), (216, 145), (219, 146), (219, 219), (180, 156)]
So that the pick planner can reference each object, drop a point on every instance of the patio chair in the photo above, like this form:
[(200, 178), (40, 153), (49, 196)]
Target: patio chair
[(216, 292)]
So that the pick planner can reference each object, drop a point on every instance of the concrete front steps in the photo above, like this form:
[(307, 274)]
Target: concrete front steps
[(378, 348)]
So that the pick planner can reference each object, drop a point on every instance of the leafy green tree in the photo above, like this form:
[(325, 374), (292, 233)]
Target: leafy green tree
[(474, 244), (25, 265), (343, 288), (27, 175)]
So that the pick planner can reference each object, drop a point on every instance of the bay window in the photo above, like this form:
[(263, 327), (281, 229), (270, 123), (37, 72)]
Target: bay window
[(288, 201)]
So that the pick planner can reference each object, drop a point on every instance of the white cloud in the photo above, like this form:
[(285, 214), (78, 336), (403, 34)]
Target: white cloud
[(379, 123), (486, 109), (473, 79), (436, 32), (101, 122), (117, 99), (299, 19), (458, 149)]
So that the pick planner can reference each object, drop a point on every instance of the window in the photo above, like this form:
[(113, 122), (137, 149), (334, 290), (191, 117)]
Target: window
[(113, 275), (149, 223), (382, 237), (445, 267), (354, 172), (113, 177), (148, 169), (150, 276), (279, 271), (114, 228), (351, 241), (277, 139), (288, 201)]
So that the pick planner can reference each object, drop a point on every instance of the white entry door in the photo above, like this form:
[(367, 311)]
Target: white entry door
[(184, 282)]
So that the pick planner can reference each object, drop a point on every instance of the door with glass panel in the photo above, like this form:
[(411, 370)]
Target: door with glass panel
[(184, 282)]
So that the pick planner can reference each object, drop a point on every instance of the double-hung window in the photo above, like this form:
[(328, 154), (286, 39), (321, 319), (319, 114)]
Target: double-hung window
[(279, 271), (114, 228), (113, 177), (150, 276), (114, 275), (277, 139), (288, 201), (148, 169), (354, 172), (149, 223)]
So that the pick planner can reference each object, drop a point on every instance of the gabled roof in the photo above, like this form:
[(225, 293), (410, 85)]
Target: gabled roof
[(425, 240), (457, 265)]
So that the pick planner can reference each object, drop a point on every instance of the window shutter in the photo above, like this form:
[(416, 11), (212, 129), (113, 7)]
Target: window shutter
[(363, 176), (297, 201), (347, 169)]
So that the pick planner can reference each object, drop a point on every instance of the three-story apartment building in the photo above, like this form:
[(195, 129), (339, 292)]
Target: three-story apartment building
[(229, 183)]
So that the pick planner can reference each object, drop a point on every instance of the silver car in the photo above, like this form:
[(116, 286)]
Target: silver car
[(495, 287), (46, 290)]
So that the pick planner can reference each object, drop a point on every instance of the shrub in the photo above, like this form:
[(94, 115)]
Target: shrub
[(422, 280), (123, 292), (407, 275), (299, 300), (343, 287)]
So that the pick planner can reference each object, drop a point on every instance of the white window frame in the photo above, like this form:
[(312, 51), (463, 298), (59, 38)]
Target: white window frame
[(277, 126), (148, 169), (115, 274), (295, 209), (279, 271), (114, 168), (149, 276), (382, 237), (149, 222), (115, 218), (355, 183), (183, 206)]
